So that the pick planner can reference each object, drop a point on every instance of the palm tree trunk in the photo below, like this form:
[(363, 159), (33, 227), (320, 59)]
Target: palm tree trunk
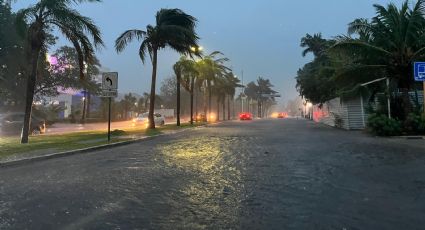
[(88, 104), (205, 102), (223, 100), (218, 108), (178, 99), (30, 95), (153, 87), (192, 91), (228, 107), (83, 115), (209, 97)]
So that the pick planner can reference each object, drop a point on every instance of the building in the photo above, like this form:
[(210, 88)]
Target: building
[(348, 113)]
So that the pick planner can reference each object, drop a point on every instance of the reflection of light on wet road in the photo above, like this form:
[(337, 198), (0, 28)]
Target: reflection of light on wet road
[(215, 182)]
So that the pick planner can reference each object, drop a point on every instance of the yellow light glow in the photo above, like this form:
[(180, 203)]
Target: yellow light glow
[(309, 105), (213, 117), (275, 115)]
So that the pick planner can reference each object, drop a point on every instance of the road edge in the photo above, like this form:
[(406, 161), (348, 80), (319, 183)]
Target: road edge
[(89, 149)]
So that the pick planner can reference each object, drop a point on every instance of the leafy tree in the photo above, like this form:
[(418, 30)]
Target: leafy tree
[(387, 45), (12, 59), (128, 104), (315, 81), (174, 29), (64, 75), (36, 21)]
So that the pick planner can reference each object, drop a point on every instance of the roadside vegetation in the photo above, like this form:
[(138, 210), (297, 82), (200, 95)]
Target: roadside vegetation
[(9, 146), (385, 46), (203, 85)]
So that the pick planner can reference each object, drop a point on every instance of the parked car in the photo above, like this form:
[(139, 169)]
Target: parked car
[(245, 116), (12, 123), (143, 119)]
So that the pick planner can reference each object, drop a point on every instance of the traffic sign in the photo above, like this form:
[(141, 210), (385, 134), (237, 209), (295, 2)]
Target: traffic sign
[(110, 81), (270, 95), (419, 71), (106, 93)]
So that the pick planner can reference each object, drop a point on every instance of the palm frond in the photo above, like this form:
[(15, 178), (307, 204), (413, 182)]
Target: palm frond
[(122, 41)]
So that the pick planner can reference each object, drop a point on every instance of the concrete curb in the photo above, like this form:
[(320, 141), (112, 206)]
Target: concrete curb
[(86, 150), (410, 137)]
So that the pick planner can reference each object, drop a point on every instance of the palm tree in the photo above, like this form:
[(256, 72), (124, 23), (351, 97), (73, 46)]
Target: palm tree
[(174, 29), (36, 22), (232, 82), (313, 44), (185, 71), (389, 43), (210, 68)]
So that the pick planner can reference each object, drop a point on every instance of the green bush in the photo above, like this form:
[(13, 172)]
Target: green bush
[(381, 125), (414, 124), (118, 132)]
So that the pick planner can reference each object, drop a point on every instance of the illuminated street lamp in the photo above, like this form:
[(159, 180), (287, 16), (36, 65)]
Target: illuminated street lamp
[(196, 49)]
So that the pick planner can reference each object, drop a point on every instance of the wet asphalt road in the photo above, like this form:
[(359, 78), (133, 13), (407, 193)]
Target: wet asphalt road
[(276, 174)]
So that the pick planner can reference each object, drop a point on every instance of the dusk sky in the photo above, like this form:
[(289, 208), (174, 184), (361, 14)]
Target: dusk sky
[(260, 37)]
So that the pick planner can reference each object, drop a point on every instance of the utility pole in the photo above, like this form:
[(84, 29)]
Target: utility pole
[(243, 93)]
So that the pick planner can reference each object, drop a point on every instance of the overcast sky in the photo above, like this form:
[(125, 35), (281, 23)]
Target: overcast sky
[(261, 37)]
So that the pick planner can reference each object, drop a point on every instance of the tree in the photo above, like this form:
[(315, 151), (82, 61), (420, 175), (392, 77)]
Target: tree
[(36, 21), (185, 71), (128, 104), (174, 29), (313, 44), (211, 67), (190, 74), (389, 43), (232, 82), (258, 91), (11, 58), (64, 75), (315, 81)]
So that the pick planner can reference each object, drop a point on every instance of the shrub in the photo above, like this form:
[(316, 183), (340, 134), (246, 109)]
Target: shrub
[(381, 125), (118, 132), (414, 124)]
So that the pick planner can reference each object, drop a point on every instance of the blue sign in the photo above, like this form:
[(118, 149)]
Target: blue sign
[(419, 71)]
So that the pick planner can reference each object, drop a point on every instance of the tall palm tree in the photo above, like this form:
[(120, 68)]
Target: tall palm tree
[(36, 22), (389, 43), (174, 29), (185, 71), (232, 82), (210, 68)]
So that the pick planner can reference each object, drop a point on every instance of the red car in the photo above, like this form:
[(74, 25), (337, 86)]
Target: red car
[(245, 116)]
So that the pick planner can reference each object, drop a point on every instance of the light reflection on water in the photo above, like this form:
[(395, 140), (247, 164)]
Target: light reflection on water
[(214, 191)]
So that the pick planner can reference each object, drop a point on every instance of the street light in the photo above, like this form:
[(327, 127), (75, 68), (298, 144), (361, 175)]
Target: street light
[(196, 49)]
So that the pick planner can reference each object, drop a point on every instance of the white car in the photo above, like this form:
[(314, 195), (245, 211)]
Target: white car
[(143, 119)]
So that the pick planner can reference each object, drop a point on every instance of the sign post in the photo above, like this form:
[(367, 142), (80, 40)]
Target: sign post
[(109, 90), (419, 71)]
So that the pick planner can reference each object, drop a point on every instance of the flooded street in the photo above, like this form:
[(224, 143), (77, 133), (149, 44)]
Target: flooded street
[(268, 174)]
